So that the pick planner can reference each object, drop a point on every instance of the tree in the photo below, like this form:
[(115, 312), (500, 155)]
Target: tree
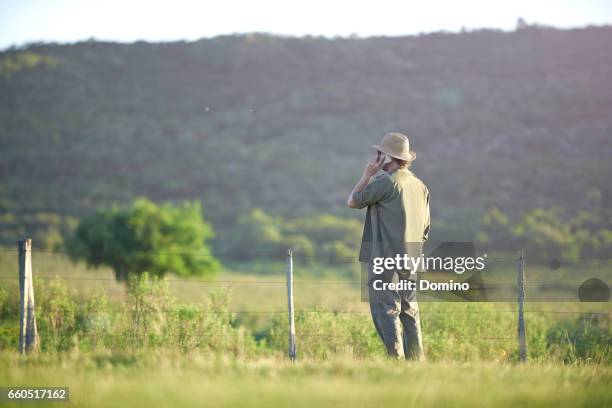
[(146, 238)]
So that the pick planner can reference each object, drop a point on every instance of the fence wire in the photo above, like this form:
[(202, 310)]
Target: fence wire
[(310, 335), (283, 255)]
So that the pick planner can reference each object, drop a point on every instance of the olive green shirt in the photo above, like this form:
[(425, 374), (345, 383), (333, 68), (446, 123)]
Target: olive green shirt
[(397, 219)]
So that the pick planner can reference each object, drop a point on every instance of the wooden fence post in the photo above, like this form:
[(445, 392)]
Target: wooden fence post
[(520, 282), (28, 335), (292, 345)]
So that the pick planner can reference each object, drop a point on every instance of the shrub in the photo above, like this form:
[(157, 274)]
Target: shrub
[(585, 340), (56, 316), (322, 335), (95, 322), (145, 313)]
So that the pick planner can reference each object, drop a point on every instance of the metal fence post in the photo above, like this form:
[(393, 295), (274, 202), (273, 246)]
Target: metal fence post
[(292, 345), (520, 282), (28, 335)]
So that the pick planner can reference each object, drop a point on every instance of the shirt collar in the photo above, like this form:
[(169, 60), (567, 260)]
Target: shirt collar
[(400, 169)]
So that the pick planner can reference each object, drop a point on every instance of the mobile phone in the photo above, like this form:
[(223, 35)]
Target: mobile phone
[(386, 158)]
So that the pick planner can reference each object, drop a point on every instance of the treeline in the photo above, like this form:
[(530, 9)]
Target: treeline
[(175, 238), (552, 233), (326, 238), (47, 230)]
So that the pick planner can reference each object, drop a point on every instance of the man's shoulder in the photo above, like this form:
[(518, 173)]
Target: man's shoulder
[(382, 181), (382, 178), (408, 176), (380, 175)]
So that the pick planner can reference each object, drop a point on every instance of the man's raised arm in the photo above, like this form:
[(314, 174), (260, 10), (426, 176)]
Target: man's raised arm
[(371, 168)]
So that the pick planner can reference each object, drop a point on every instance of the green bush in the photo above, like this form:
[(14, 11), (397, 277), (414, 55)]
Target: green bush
[(9, 300), (151, 318), (209, 329), (95, 322), (322, 335), (585, 340), (56, 316), (144, 318)]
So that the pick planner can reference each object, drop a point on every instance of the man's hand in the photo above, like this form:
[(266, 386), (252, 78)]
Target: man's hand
[(371, 169), (374, 165)]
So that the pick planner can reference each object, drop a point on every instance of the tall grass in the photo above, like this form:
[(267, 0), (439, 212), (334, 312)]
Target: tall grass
[(152, 318), (189, 316), (149, 318)]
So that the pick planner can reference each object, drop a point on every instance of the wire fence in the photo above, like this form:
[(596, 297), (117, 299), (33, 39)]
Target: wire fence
[(350, 312), (282, 256), (313, 283)]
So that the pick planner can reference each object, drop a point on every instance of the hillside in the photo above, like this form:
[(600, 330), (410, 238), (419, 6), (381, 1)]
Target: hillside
[(517, 120)]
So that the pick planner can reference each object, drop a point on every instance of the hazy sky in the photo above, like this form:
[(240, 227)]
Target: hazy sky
[(124, 20)]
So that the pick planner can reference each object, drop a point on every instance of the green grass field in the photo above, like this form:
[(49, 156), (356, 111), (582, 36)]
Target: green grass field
[(165, 380), (186, 342)]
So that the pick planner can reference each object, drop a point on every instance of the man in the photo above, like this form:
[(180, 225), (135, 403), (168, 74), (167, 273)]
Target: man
[(397, 222)]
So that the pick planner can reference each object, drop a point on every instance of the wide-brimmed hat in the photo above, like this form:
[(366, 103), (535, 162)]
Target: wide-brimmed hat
[(396, 145)]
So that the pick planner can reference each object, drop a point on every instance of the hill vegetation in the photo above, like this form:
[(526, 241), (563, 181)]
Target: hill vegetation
[(516, 121)]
